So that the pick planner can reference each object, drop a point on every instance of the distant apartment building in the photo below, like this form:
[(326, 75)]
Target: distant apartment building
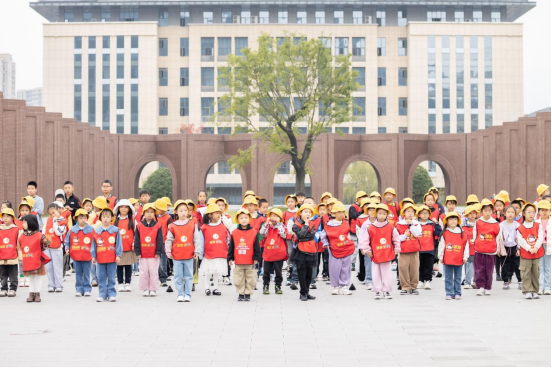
[(33, 97), (7, 76)]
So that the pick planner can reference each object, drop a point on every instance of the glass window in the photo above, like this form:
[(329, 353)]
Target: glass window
[(477, 14), (446, 123), (128, 14), (163, 131), (495, 15), (359, 46), (488, 96), (436, 14), (338, 17), (105, 42), (163, 17), (382, 106), (342, 130), (403, 77), (361, 77), (86, 14), (227, 15), (134, 66), (120, 66), (207, 130), (357, 18), (320, 17), (301, 14), (488, 120), (78, 66), (163, 47), (241, 42), (207, 17), (431, 124), (431, 71), (488, 57), (184, 79), (78, 101), (474, 96), (474, 122), (224, 46), (184, 111), (402, 47), (264, 15), (431, 95), (134, 42), (163, 106), (382, 46), (459, 15), (106, 14), (282, 15), (184, 49), (224, 130), (382, 130), (208, 77), (359, 106), (380, 17), (207, 46), (105, 66), (69, 14), (163, 77), (120, 42), (403, 106), (245, 14), (431, 42), (402, 18), (459, 96), (120, 96), (460, 123), (284, 168), (184, 17), (105, 106), (403, 129), (341, 45), (78, 42), (382, 76), (207, 106)]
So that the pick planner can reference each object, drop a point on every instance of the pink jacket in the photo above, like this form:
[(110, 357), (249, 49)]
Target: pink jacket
[(365, 242)]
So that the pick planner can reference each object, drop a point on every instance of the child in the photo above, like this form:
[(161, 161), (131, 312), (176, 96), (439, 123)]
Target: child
[(544, 265), (488, 242), (201, 199), (402, 204), (322, 258), (216, 237), (67, 214), (38, 205), (471, 200), (325, 196), (300, 198), (251, 205), (543, 190), (275, 250), (24, 209), (135, 203), (164, 220), (381, 243), (244, 251), (453, 254), (430, 200), (226, 218), (107, 248), (430, 230), (78, 246), (87, 205), (315, 220), (341, 248), (369, 207), (107, 187), (355, 211), (390, 196), (148, 245), (510, 263), (450, 203), (518, 204), (303, 256), (289, 214), (33, 243), (124, 213), (263, 207), (530, 238), (55, 229), (409, 258), (144, 197), (470, 214), (10, 253), (98, 204), (184, 246), (377, 196)]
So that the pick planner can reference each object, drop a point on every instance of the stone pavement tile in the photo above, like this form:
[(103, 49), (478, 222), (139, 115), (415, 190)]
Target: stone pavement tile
[(448, 358), (273, 362)]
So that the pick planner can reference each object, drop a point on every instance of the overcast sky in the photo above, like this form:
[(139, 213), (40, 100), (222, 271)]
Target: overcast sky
[(21, 36)]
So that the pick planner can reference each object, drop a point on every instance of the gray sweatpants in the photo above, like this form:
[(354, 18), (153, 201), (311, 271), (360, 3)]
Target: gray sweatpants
[(55, 268)]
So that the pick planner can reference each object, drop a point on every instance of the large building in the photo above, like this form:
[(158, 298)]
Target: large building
[(7, 76), (33, 97)]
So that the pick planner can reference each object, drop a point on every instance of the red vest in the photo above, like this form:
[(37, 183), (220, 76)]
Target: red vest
[(381, 241), (486, 237), (8, 243), (411, 244), (18, 223), (468, 230), (111, 202), (257, 222), (164, 222), (80, 245), (530, 236), (393, 216), (127, 235), (138, 216), (427, 243), (148, 239), (244, 243), (340, 244), (434, 216), (316, 222), (454, 248), (287, 216), (216, 244), (275, 248), (105, 247), (353, 221), (183, 246), (32, 251), (50, 233), (308, 246)]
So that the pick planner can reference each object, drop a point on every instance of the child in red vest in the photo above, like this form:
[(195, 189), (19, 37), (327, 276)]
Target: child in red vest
[(10, 253), (369, 207), (427, 244), (244, 251), (216, 236), (144, 197), (468, 223), (107, 249), (107, 187), (164, 219), (453, 253), (530, 236), (66, 212), (78, 246), (544, 266), (390, 201), (87, 205), (381, 243), (55, 229), (33, 243), (24, 209), (124, 213), (304, 253), (335, 236), (488, 242), (409, 259), (355, 211), (322, 255), (275, 249), (148, 245)]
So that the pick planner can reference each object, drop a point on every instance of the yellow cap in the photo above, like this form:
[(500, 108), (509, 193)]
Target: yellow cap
[(382, 206), (502, 197), (107, 209), (529, 205), (189, 202), (372, 205), (433, 189), (178, 203), (212, 207), (406, 206), (24, 203), (375, 194), (318, 207), (451, 198), (332, 200), (168, 200), (276, 211), (29, 200), (81, 211), (486, 202), (359, 194), (421, 208), (390, 190), (132, 201), (244, 211), (325, 194), (100, 202), (290, 196), (211, 201), (406, 200), (428, 194), (8, 211), (470, 209), (306, 207), (472, 198), (365, 201), (225, 203), (250, 200), (161, 205), (252, 193), (338, 207), (149, 206), (544, 205), (452, 214), (542, 188)]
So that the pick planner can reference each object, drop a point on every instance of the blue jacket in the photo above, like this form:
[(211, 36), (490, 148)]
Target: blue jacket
[(75, 230)]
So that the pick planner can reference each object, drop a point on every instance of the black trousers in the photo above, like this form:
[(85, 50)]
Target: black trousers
[(326, 260), (124, 274), (362, 270), (268, 268), (498, 264), (305, 276), (426, 266), (510, 265), (9, 273)]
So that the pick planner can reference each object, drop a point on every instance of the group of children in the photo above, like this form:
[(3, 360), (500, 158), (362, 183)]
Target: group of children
[(104, 240)]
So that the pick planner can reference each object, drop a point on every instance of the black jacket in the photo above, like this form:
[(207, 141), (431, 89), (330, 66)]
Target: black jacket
[(256, 247)]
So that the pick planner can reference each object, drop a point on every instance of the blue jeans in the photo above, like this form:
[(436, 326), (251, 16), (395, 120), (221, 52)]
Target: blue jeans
[(136, 267), (453, 279), (183, 276), (294, 275), (544, 271), (368, 268), (314, 272), (82, 276), (469, 272), (163, 275), (106, 279), (93, 273)]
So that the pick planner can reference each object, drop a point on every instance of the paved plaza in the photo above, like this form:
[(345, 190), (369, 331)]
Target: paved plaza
[(276, 330)]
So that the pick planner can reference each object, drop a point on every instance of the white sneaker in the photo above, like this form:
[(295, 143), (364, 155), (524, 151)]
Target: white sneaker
[(427, 285), (528, 296), (540, 292), (112, 299), (121, 287), (378, 295), (136, 273), (180, 298), (386, 295), (100, 299), (345, 291), (187, 298), (546, 292), (535, 296), (153, 293), (369, 286), (78, 295), (335, 291), (480, 292), (467, 286), (487, 292), (87, 293), (420, 285), (127, 287), (146, 293)]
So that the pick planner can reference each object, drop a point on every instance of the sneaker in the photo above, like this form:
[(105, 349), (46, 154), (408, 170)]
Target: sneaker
[(303, 298), (403, 292), (146, 293), (467, 286), (487, 292), (128, 287), (112, 299), (506, 286), (480, 292), (100, 299), (473, 285), (153, 293), (164, 284), (377, 295), (241, 298), (313, 286), (328, 282), (414, 292), (439, 274), (546, 292), (168, 279), (335, 291), (3, 293), (519, 285), (540, 292), (420, 284), (310, 297), (207, 292), (216, 292), (278, 289), (448, 297), (369, 286), (498, 277), (386, 295), (187, 299), (353, 267), (136, 273), (11, 293), (94, 283), (293, 286), (458, 297), (180, 298), (247, 298), (427, 285), (51, 290), (266, 291), (528, 296), (345, 291), (288, 283), (59, 290), (226, 281), (535, 296), (87, 293), (121, 287), (78, 295)]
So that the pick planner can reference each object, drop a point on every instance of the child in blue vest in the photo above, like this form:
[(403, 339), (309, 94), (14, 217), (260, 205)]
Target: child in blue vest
[(453, 254), (78, 245)]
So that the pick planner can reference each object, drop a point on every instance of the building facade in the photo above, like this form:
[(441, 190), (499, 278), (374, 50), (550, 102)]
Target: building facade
[(7, 76), (33, 97), (146, 67)]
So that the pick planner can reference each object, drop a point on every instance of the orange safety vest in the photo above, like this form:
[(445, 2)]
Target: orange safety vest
[(164, 222), (486, 236), (275, 248), (80, 245), (8, 243), (427, 242), (307, 246), (244, 243), (127, 235), (31, 248), (105, 246), (454, 248), (411, 244), (468, 230), (216, 244), (148, 239), (50, 233), (352, 222), (381, 241), (340, 244), (183, 246), (530, 235)]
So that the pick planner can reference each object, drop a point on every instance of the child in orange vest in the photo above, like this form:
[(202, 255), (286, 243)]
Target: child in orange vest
[(427, 246), (148, 245), (390, 201), (55, 229), (363, 221), (195, 216), (510, 263), (67, 214), (530, 236), (468, 223), (184, 246), (78, 246), (275, 250), (409, 258), (124, 213), (305, 249), (107, 187), (544, 266), (355, 210), (381, 243), (107, 248), (244, 251), (87, 205), (453, 254), (33, 243), (164, 219), (216, 238), (10, 253)]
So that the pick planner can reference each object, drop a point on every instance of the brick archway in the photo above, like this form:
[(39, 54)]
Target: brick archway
[(142, 162), (359, 157), (206, 166), (451, 184)]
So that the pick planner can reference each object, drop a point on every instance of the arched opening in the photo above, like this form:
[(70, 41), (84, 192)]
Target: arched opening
[(360, 175), (284, 183), (157, 178), (223, 182), (426, 175)]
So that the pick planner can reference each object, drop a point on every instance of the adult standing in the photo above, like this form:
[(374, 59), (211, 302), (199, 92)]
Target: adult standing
[(38, 206)]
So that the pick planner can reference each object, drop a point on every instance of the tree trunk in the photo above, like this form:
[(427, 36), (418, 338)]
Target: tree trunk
[(300, 173)]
